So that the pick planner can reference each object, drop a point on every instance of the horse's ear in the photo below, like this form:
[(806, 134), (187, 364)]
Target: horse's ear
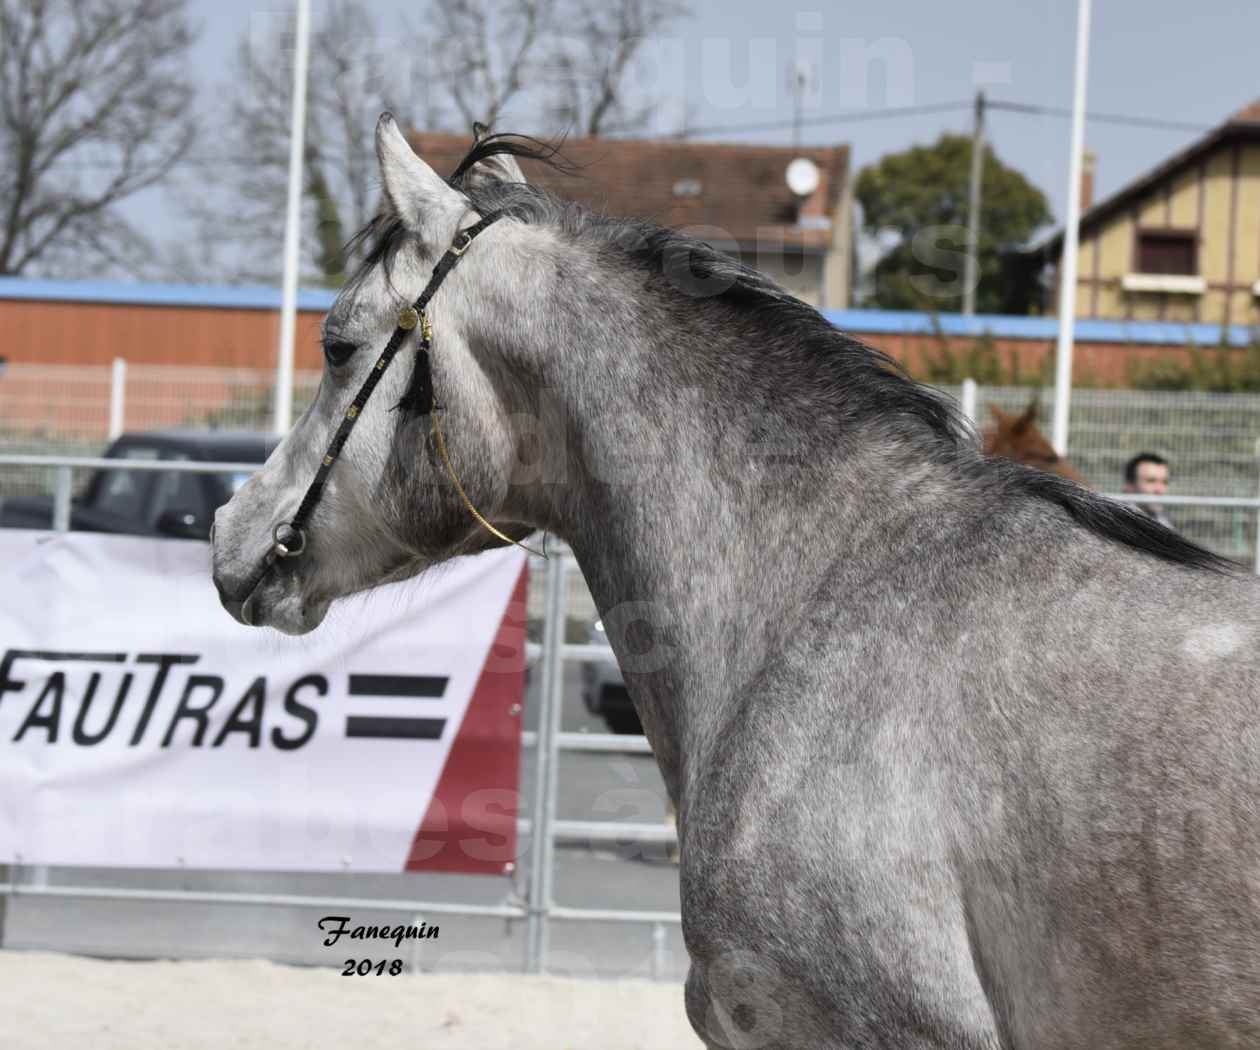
[(414, 189), (499, 167), (1029, 416)]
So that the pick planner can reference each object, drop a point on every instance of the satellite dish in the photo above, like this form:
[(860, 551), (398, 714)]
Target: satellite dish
[(802, 176)]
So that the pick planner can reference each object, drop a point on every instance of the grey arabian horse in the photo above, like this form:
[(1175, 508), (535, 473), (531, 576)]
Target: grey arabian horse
[(964, 755)]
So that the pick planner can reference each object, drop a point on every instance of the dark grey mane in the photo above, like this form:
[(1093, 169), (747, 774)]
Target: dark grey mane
[(797, 347)]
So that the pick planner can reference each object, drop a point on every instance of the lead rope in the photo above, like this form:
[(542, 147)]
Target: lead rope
[(441, 444)]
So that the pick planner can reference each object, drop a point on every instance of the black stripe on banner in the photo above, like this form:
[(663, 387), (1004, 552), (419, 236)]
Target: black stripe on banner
[(394, 728), (409, 685), (54, 657)]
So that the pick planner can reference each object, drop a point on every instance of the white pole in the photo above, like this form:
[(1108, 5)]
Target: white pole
[(971, 275), (1071, 241), (292, 227), (969, 401), (117, 397)]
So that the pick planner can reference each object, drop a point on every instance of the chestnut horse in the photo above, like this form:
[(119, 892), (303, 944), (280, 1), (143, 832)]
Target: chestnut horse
[(1018, 437)]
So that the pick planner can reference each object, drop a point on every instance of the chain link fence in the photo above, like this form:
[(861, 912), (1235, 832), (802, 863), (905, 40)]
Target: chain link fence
[(1210, 440), (69, 410)]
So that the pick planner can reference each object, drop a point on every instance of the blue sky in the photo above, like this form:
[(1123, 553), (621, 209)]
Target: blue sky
[(728, 64)]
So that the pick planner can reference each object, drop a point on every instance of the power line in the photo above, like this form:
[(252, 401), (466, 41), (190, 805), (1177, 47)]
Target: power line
[(837, 118), (1102, 118), (1155, 123)]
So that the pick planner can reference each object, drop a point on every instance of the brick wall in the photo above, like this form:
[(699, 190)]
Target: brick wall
[(89, 324)]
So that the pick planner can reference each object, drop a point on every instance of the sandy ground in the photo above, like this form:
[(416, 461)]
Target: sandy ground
[(63, 1002)]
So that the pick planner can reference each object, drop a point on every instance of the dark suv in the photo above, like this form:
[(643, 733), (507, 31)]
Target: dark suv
[(604, 688), (152, 502)]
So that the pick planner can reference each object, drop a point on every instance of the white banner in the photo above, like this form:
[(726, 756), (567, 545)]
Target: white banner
[(140, 725)]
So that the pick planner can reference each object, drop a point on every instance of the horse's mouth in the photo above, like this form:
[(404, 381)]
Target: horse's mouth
[(289, 612), (298, 613)]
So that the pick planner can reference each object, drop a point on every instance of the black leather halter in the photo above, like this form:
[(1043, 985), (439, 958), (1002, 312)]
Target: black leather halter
[(410, 317)]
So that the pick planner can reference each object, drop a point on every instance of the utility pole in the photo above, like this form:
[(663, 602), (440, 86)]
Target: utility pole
[(802, 81), (971, 275)]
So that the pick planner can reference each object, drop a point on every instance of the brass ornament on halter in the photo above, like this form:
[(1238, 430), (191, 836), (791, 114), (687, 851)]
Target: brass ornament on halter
[(426, 328), (408, 318)]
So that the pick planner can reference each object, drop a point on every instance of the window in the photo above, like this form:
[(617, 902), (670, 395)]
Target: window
[(122, 492), (234, 482), (1168, 252), (177, 491)]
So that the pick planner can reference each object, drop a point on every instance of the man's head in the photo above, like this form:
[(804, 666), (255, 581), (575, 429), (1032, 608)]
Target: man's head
[(1146, 473)]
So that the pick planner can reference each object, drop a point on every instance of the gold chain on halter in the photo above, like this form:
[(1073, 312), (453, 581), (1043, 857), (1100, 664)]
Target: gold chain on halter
[(441, 444)]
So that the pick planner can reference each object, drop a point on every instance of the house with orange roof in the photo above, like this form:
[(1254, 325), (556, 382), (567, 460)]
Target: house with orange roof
[(734, 196)]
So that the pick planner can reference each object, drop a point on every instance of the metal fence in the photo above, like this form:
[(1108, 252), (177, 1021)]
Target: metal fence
[(73, 410), (1211, 440), (543, 829), (537, 908)]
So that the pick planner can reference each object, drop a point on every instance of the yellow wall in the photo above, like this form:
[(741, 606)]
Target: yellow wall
[(1117, 248), (1213, 261), (1085, 257), (1113, 242), (1110, 301), (1185, 200), (1151, 211), (1212, 305), (1247, 242)]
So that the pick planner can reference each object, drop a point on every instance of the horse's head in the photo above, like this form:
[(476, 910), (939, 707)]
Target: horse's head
[(1017, 437), (389, 507)]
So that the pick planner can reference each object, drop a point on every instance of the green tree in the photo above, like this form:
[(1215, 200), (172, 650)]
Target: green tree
[(917, 199)]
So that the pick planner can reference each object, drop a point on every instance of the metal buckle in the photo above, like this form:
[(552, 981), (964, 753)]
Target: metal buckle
[(458, 248), (283, 550)]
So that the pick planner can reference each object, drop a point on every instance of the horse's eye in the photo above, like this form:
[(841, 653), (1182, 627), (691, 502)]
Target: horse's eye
[(337, 353)]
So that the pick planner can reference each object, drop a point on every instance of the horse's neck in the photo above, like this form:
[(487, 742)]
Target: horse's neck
[(700, 573), (704, 496)]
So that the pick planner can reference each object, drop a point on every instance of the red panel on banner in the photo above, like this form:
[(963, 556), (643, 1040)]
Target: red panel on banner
[(471, 823)]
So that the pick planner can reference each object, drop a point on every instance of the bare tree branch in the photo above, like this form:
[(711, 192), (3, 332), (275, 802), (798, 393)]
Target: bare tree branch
[(603, 39), (488, 60), (482, 78), (347, 89), (94, 108)]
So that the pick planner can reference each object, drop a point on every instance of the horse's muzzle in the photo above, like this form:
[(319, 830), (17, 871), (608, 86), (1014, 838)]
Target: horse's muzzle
[(240, 609)]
